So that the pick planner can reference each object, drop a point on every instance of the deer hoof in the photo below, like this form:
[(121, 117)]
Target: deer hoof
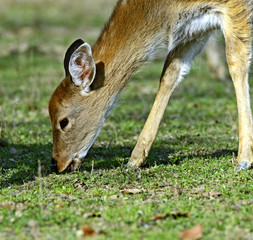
[(243, 166), (129, 165)]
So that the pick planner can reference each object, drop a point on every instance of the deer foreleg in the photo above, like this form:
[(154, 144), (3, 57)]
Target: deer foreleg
[(176, 66), (238, 50)]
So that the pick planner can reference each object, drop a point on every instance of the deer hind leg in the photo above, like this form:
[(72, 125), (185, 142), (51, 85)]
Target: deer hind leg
[(215, 56), (176, 66), (238, 51)]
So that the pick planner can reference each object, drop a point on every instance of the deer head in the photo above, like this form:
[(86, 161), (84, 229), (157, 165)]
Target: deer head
[(77, 107)]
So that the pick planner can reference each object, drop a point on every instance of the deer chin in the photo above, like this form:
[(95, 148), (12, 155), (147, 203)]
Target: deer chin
[(63, 166)]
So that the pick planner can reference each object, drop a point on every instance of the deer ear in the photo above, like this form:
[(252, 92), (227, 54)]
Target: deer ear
[(82, 67), (69, 52)]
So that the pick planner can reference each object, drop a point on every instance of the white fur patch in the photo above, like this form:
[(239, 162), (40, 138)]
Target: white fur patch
[(192, 51), (85, 91), (186, 30), (202, 23)]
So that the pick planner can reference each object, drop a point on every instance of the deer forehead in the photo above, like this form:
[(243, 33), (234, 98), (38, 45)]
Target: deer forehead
[(60, 99)]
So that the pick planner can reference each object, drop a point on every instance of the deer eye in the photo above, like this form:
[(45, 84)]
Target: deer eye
[(63, 123)]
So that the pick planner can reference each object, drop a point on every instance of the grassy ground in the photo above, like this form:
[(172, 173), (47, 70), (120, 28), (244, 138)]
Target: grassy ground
[(190, 170)]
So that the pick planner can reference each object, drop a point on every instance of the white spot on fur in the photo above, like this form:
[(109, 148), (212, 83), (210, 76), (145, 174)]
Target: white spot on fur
[(124, 2), (113, 33), (85, 91), (111, 23)]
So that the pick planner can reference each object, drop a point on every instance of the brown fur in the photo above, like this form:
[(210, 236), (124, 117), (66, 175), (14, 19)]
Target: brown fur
[(133, 32)]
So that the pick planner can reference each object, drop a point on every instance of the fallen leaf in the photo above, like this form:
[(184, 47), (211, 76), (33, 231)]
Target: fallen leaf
[(160, 216), (91, 215), (131, 191), (215, 194), (174, 215), (193, 233), (88, 231), (211, 194), (205, 194), (135, 191)]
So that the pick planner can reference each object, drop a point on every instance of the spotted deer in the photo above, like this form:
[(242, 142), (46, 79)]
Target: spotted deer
[(94, 77)]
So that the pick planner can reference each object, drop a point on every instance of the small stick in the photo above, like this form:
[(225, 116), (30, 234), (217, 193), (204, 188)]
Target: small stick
[(233, 159), (92, 168), (40, 186)]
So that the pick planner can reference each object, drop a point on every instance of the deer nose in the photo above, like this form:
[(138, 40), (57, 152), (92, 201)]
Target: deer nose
[(53, 165)]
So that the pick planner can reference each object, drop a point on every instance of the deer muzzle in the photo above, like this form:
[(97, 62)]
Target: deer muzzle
[(74, 165)]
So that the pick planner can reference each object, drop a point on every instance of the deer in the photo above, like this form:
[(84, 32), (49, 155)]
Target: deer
[(95, 76)]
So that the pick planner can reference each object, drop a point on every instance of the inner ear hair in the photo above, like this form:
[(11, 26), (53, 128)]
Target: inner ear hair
[(68, 54)]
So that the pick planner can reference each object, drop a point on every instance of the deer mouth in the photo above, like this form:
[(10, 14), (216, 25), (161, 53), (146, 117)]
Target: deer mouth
[(72, 166), (69, 166)]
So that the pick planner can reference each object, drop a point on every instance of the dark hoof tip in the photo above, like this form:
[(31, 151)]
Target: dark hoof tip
[(243, 166), (129, 165)]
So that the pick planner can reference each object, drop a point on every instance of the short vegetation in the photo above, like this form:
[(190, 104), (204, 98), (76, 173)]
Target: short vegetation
[(190, 177)]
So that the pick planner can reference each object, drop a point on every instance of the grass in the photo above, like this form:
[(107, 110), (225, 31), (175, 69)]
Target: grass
[(194, 153)]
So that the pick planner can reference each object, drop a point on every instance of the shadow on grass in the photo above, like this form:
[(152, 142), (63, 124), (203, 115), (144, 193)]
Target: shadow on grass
[(19, 163), (175, 157), (117, 156)]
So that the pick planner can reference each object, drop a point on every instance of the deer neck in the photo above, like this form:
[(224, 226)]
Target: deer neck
[(125, 44)]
